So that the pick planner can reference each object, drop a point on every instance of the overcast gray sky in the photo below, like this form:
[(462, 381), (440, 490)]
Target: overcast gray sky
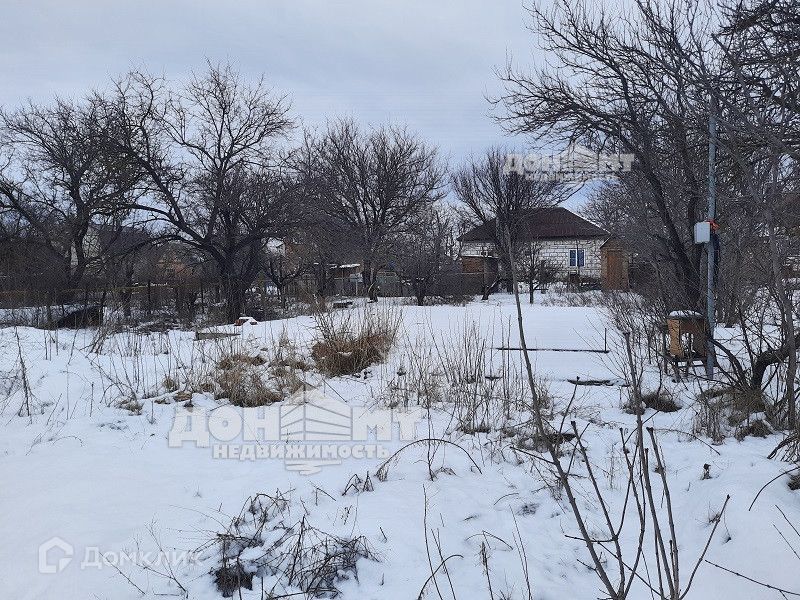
[(427, 64)]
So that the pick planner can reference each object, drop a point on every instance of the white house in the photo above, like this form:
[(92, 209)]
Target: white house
[(567, 243)]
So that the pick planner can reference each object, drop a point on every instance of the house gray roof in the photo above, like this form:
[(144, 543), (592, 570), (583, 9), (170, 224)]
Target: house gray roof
[(542, 224)]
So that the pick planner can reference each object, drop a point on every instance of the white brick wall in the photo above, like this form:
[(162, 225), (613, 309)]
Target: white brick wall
[(477, 249), (555, 252)]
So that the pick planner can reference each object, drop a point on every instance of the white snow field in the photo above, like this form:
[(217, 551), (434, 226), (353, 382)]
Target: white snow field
[(91, 475)]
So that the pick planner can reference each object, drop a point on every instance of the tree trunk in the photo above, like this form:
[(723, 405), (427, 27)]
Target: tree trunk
[(787, 316), (531, 278), (282, 294), (771, 357), (489, 289), (419, 291), (321, 279), (233, 287), (370, 281), (127, 291), (505, 260), (372, 292)]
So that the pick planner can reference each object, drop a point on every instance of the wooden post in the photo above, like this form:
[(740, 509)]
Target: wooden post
[(530, 278)]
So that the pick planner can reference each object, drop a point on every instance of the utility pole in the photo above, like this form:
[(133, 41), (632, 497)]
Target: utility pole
[(711, 250)]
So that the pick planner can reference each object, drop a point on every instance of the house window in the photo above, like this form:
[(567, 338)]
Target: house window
[(577, 257)]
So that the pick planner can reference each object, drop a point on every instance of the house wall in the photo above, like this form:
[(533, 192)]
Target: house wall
[(473, 249), (555, 252)]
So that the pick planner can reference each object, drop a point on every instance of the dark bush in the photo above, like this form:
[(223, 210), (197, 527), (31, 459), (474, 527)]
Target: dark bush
[(661, 400)]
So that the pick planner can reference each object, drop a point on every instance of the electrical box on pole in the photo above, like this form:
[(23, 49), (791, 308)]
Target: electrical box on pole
[(702, 232)]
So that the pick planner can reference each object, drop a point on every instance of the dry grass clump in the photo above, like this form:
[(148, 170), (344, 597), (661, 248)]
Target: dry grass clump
[(662, 400), (170, 384), (485, 387), (288, 356), (561, 297), (244, 385), (350, 341), (236, 359), (482, 387), (708, 418), (729, 411), (417, 380), (132, 405), (227, 367), (757, 428), (255, 380), (296, 558)]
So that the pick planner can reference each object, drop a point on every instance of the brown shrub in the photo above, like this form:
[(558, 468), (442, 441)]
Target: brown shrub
[(351, 341), (232, 361), (661, 400), (241, 379), (757, 428), (726, 411), (245, 387)]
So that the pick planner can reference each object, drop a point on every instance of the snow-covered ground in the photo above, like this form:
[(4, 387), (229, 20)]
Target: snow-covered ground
[(101, 479)]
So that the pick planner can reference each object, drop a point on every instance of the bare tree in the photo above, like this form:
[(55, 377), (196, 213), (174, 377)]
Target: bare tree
[(216, 168), (502, 201), (59, 178), (625, 82), (373, 185), (617, 565), (752, 79), (426, 253), (324, 248), (283, 265)]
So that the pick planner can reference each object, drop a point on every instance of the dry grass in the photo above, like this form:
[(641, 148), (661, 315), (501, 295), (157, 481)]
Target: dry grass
[(243, 385), (729, 411), (237, 359), (291, 555), (482, 387), (170, 384), (232, 368), (288, 356), (757, 428), (561, 297), (350, 341), (239, 380), (662, 400), (255, 380), (132, 405)]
